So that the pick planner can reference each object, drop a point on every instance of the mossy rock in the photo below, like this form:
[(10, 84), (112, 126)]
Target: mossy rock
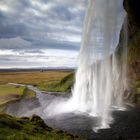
[(134, 49), (134, 96), (27, 93), (34, 128)]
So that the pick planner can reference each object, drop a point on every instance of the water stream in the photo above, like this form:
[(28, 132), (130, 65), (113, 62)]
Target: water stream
[(101, 77)]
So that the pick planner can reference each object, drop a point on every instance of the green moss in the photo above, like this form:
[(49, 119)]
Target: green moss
[(33, 128), (2, 108), (43, 85), (135, 92), (134, 48), (138, 90), (28, 93), (63, 85)]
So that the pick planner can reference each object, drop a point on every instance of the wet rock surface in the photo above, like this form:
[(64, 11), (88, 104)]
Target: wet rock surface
[(126, 125)]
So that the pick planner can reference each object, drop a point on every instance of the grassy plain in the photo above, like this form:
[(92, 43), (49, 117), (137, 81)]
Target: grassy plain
[(32, 77), (63, 85)]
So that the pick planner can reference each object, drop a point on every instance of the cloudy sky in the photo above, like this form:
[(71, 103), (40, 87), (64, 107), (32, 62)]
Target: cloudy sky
[(40, 33)]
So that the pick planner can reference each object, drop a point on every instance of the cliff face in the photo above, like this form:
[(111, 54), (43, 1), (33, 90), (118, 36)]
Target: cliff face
[(133, 10)]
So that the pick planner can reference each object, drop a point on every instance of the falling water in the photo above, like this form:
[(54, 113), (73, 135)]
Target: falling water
[(101, 75)]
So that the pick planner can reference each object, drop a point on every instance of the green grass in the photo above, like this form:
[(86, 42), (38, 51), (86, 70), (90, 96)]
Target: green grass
[(64, 85), (10, 93), (11, 89), (33, 128), (28, 93)]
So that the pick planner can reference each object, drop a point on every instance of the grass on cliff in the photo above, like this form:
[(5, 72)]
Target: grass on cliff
[(33, 128), (28, 93), (64, 85)]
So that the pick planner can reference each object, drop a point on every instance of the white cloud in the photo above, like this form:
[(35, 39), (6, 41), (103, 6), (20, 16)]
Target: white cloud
[(47, 16), (49, 58), (4, 8), (55, 24), (6, 52), (13, 43)]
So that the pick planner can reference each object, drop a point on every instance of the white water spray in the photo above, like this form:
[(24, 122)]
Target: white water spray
[(101, 77)]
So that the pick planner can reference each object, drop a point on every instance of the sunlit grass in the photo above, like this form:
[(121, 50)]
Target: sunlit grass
[(64, 85), (28, 93)]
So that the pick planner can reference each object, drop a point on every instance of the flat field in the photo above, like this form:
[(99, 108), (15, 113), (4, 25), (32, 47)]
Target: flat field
[(32, 77), (10, 93)]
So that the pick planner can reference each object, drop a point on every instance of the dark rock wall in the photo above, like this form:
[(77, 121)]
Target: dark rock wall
[(132, 8)]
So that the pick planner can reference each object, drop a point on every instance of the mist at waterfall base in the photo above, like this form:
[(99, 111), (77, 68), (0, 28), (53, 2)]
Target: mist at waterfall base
[(101, 78)]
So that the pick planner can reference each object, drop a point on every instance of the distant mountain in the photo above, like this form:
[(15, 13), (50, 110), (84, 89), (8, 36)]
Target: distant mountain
[(36, 69)]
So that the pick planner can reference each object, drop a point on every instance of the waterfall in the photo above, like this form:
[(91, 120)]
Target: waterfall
[(101, 77), (100, 80)]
